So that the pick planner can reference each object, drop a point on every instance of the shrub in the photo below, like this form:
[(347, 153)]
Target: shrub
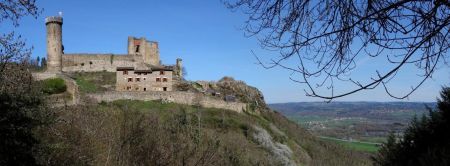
[(53, 86)]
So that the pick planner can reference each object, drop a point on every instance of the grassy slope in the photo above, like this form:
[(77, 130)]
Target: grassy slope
[(122, 132), (91, 82)]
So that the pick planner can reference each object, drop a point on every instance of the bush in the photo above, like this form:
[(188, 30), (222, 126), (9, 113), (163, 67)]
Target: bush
[(53, 86)]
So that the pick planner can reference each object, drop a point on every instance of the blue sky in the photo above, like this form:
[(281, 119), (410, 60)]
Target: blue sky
[(204, 34)]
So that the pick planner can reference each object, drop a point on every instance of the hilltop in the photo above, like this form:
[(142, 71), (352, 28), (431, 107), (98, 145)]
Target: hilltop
[(161, 132)]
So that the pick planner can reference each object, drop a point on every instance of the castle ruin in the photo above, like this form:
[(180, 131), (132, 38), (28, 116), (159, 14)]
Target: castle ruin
[(142, 58), (139, 73)]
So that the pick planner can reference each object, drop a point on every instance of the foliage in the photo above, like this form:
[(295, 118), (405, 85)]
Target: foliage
[(328, 39), (53, 86), (21, 103), (143, 133), (425, 142), (22, 109), (127, 132)]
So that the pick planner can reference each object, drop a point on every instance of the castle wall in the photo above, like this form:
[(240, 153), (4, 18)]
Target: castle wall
[(95, 62), (188, 98)]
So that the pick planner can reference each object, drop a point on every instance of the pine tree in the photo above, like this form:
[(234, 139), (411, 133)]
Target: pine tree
[(425, 141)]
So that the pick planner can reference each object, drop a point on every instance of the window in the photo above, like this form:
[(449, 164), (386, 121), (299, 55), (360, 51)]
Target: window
[(145, 89), (164, 88), (130, 79), (138, 79), (161, 72), (137, 48), (125, 72), (90, 62), (164, 79), (128, 87), (82, 64), (158, 79), (145, 78)]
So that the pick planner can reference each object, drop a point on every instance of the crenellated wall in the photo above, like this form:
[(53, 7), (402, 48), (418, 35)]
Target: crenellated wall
[(187, 98)]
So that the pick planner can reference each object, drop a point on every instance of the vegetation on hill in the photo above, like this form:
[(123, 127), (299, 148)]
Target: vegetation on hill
[(53, 86), (22, 109), (425, 141), (129, 132), (92, 82)]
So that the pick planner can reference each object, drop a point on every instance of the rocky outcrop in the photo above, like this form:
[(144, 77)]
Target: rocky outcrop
[(228, 86)]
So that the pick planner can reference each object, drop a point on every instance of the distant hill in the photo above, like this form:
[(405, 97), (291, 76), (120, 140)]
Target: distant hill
[(363, 121)]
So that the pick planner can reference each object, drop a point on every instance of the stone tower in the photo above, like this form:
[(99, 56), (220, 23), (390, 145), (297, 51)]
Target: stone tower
[(54, 43), (179, 68), (147, 51)]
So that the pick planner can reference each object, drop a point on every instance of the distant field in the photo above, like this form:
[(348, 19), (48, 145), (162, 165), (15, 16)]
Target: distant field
[(369, 122), (358, 146)]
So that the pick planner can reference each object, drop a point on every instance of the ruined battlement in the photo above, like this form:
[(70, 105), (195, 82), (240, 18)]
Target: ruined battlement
[(54, 19)]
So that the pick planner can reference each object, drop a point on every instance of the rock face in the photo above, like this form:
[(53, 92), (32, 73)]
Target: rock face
[(230, 89), (243, 92)]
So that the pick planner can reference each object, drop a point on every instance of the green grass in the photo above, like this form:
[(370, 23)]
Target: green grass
[(305, 119), (86, 86), (93, 82), (53, 86), (358, 146)]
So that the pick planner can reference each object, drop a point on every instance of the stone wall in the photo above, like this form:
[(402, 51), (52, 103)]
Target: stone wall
[(188, 98), (96, 62), (38, 76), (72, 87)]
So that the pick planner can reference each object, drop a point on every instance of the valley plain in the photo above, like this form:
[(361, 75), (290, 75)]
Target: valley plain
[(361, 126)]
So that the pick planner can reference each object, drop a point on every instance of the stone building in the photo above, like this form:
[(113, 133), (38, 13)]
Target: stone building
[(145, 78), (138, 70), (140, 51)]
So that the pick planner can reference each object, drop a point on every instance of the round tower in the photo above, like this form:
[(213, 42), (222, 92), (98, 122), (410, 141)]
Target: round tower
[(54, 43), (179, 68)]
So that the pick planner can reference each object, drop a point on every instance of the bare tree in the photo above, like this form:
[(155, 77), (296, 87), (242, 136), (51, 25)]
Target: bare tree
[(21, 104), (328, 37), (12, 46)]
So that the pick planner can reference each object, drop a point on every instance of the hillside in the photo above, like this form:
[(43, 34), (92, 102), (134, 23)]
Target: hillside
[(133, 132), (361, 121), (129, 132)]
